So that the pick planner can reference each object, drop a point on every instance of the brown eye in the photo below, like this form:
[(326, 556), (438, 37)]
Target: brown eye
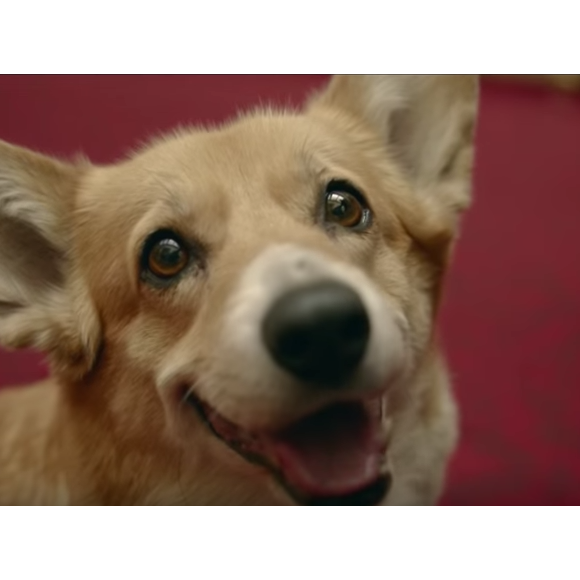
[(345, 206), (344, 209), (166, 258)]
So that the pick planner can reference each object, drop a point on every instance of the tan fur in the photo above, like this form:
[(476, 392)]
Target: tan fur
[(108, 427), (567, 83)]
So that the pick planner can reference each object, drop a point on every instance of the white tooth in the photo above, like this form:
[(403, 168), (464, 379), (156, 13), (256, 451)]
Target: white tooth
[(387, 426), (383, 407)]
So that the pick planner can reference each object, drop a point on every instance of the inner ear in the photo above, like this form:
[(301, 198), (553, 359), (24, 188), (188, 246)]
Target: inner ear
[(28, 262)]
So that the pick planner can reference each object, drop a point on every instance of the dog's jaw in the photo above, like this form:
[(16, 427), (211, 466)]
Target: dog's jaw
[(337, 456)]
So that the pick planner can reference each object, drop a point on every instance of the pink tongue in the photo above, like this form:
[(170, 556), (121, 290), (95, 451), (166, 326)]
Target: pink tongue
[(335, 452)]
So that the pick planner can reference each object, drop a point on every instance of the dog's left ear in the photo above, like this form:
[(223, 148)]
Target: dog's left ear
[(426, 121)]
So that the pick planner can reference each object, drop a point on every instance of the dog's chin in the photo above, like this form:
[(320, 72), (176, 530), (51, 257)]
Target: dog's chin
[(336, 456)]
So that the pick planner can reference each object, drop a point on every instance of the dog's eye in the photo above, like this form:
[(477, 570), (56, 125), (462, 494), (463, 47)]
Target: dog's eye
[(165, 256), (343, 209), (343, 205)]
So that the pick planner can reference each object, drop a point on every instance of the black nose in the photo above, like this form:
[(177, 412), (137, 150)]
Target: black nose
[(319, 333)]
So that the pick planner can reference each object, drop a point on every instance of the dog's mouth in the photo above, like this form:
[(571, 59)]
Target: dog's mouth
[(336, 456)]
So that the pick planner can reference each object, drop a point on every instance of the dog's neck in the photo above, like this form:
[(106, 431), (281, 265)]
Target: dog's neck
[(51, 454), (31, 453)]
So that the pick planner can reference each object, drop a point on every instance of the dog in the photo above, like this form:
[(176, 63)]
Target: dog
[(243, 315)]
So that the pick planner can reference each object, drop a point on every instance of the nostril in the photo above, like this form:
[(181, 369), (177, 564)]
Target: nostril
[(354, 334), (355, 326)]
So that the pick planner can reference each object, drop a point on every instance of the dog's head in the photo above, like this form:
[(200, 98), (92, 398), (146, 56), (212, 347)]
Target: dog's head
[(245, 307)]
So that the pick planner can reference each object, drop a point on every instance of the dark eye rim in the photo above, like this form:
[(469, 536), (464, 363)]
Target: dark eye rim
[(345, 186), (146, 274)]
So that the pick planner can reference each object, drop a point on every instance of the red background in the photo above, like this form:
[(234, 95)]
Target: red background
[(511, 319)]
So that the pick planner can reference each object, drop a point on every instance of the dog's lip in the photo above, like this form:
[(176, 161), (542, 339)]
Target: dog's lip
[(371, 494), (256, 448)]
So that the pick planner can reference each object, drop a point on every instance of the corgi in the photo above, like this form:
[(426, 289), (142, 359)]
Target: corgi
[(244, 315)]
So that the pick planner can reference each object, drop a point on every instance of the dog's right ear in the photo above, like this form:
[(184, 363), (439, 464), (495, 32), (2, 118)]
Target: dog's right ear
[(43, 301), (427, 122)]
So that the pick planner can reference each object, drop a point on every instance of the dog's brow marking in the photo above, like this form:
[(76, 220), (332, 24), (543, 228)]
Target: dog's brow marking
[(172, 200)]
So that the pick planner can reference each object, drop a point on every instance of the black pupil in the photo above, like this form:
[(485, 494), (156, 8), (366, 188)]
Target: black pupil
[(168, 254), (339, 205)]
